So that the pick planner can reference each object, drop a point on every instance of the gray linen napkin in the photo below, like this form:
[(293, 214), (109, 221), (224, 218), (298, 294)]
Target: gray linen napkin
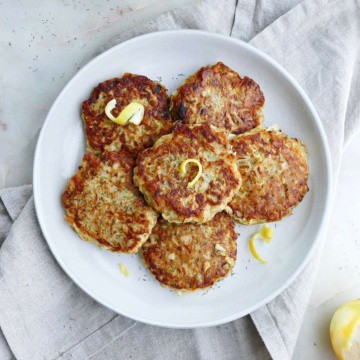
[(44, 315)]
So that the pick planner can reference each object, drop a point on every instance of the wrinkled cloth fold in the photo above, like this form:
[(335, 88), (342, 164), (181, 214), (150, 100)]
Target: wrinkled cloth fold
[(44, 315)]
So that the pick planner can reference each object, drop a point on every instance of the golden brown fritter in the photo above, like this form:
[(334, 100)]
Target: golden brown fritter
[(104, 134), (165, 189), (274, 171), (219, 96), (103, 205), (188, 257)]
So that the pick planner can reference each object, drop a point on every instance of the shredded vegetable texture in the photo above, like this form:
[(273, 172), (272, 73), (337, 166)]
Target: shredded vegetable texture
[(182, 170), (266, 233)]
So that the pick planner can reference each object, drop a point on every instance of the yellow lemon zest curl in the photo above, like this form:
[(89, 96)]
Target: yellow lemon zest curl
[(182, 170), (266, 233), (134, 113)]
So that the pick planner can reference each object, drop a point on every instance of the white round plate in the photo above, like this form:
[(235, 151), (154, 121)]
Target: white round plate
[(170, 57)]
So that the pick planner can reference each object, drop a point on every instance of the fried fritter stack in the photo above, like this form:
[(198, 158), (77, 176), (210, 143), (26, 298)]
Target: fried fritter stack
[(131, 194)]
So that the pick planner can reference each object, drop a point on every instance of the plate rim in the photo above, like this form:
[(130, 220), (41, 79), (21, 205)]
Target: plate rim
[(317, 235)]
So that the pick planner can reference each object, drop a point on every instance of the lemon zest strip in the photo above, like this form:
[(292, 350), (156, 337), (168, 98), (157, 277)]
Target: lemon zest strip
[(134, 113), (266, 233), (182, 170), (252, 248), (124, 270)]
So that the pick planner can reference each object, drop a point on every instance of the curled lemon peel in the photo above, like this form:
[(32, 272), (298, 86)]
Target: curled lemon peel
[(266, 233), (134, 113), (253, 250), (345, 330), (182, 170), (124, 270)]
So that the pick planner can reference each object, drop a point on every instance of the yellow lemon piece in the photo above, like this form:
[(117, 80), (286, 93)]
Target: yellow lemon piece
[(345, 331), (182, 170), (108, 108), (252, 248), (267, 233), (124, 270), (134, 113)]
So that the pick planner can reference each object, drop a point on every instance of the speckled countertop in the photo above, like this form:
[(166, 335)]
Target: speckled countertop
[(43, 44)]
